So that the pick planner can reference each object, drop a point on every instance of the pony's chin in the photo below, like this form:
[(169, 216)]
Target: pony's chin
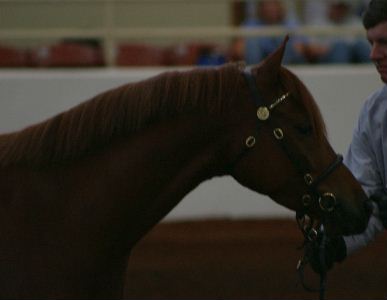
[(346, 226)]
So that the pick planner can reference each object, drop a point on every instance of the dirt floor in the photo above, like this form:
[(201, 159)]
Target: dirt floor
[(243, 259)]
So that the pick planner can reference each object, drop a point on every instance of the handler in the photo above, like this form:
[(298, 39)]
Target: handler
[(367, 154)]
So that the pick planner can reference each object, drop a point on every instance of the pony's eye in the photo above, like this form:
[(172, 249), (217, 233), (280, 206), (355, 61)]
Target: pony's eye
[(304, 129)]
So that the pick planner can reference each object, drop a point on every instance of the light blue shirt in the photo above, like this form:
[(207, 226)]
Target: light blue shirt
[(367, 159)]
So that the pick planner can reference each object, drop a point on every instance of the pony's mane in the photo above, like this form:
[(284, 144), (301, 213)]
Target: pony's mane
[(297, 87), (120, 112), (125, 110)]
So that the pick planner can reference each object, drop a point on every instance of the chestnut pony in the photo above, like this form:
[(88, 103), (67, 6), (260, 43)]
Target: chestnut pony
[(78, 191)]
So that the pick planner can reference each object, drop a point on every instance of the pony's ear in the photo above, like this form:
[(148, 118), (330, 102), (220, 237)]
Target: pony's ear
[(272, 64)]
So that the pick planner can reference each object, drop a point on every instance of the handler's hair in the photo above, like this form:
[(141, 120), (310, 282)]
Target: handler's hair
[(375, 13)]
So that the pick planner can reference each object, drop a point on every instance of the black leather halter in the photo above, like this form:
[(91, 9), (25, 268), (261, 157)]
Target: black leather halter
[(326, 202)]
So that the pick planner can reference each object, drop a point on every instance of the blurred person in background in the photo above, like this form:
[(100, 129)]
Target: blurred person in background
[(270, 13), (341, 49)]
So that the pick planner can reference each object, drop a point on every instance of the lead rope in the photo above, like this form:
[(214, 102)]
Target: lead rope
[(310, 242), (323, 273)]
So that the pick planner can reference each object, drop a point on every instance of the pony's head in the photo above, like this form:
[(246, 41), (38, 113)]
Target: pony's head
[(287, 155)]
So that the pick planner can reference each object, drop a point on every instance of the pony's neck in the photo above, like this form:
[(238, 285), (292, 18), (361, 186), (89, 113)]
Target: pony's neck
[(190, 151)]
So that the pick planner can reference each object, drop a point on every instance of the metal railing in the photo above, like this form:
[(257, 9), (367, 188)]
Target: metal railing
[(109, 33)]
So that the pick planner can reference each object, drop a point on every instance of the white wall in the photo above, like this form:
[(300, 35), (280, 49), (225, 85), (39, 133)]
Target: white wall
[(30, 96)]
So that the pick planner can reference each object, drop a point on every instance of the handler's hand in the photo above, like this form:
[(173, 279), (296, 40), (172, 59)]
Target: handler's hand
[(381, 201), (335, 251)]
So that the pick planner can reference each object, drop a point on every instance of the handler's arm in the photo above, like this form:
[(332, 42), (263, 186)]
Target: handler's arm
[(362, 161), (375, 226)]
